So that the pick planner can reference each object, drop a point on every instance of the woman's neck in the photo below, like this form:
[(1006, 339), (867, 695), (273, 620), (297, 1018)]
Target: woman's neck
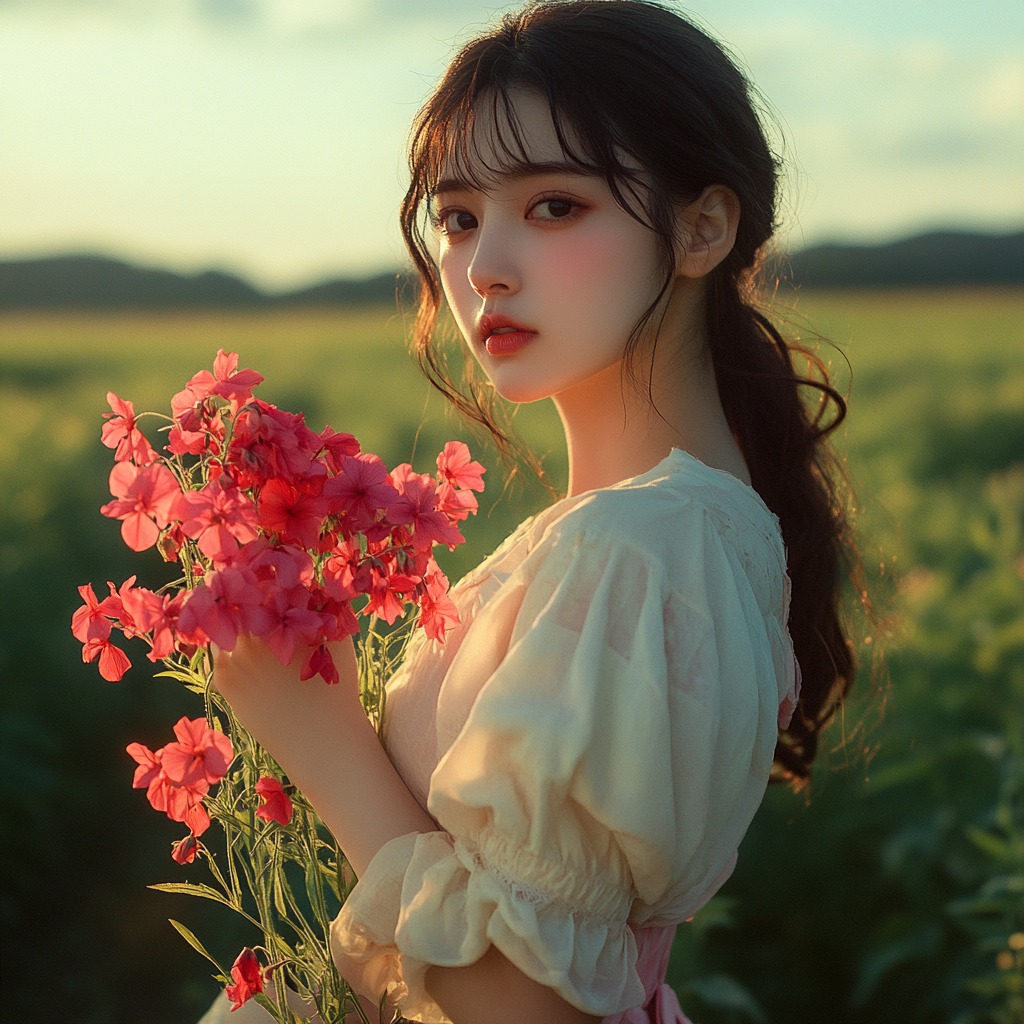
[(617, 428)]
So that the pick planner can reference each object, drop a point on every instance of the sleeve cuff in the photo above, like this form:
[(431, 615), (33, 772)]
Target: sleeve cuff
[(428, 899)]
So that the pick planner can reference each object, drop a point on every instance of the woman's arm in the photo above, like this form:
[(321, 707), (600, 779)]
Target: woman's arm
[(323, 740), (321, 737)]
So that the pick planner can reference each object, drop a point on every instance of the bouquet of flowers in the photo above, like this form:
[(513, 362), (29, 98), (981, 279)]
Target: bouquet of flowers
[(293, 536)]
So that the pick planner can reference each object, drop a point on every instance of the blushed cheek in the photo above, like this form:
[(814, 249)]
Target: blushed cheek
[(613, 274), (580, 264)]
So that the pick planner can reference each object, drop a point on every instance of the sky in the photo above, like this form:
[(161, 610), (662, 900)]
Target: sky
[(266, 137)]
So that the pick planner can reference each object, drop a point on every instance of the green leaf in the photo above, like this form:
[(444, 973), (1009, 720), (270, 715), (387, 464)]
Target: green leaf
[(995, 847), (194, 942), (180, 674), (331, 877), (724, 992), (189, 889), (315, 893)]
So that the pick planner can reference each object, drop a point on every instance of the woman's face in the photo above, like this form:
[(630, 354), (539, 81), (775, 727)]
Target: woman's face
[(546, 275)]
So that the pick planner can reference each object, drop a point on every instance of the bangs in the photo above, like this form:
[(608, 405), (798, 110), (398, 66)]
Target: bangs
[(483, 141), (474, 138)]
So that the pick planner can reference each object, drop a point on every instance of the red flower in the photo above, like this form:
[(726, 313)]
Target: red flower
[(384, 595), (455, 504), (336, 446), (179, 803), (438, 613), (184, 850), (276, 806), (230, 382), (224, 606), (456, 468), (296, 513), (113, 661), (145, 502), (248, 977), (201, 754), (179, 775), (429, 527), (270, 443), (120, 432), (90, 622), (219, 517), (360, 491), (294, 625)]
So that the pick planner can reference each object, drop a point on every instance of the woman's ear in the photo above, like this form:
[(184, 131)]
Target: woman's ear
[(707, 231)]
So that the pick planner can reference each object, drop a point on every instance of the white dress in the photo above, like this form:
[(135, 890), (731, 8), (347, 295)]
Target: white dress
[(593, 741)]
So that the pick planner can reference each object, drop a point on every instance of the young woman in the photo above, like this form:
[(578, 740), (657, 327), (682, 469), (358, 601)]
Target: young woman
[(570, 775)]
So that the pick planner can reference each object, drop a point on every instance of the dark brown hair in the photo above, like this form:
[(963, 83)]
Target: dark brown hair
[(631, 83)]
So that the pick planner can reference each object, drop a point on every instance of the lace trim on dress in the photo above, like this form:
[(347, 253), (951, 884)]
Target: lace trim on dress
[(541, 883)]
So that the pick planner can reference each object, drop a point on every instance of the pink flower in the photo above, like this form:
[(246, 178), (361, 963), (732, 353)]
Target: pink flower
[(180, 774), (184, 850), (90, 622), (384, 595), (190, 408), (120, 432), (145, 502), (295, 512), (269, 443), (154, 614), (230, 382), (248, 977), (294, 625), (113, 661), (428, 526), (455, 504), (336, 446), (219, 517), (345, 574), (438, 613), (276, 805), (179, 803), (201, 754), (284, 567), (456, 468), (361, 491), (187, 442), (224, 606)]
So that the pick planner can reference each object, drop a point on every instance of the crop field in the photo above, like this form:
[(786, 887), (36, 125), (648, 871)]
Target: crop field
[(890, 891)]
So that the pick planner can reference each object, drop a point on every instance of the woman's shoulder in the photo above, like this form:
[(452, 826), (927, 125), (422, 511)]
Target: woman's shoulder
[(663, 514)]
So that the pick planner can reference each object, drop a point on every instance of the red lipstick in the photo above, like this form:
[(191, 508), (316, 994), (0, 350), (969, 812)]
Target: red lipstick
[(502, 335)]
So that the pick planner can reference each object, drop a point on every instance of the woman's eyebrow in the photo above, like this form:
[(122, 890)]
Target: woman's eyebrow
[(517, 173)]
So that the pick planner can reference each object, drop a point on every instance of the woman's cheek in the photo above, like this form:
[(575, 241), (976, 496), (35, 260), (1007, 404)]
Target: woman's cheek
[(580, 265)]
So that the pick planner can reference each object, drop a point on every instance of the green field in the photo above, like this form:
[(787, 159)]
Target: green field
[(888, 895)]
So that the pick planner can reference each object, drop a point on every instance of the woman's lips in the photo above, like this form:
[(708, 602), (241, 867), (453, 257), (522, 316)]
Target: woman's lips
[(507, 342), (501, 334)]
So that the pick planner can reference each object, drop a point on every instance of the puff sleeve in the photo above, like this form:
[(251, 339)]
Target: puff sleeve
[(605, 775)]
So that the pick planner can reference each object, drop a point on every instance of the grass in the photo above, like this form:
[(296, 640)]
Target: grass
[(839, 908)]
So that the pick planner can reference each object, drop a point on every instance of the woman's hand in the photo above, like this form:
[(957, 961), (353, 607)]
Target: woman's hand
[(270, 699), (323, 740), (321, 737)]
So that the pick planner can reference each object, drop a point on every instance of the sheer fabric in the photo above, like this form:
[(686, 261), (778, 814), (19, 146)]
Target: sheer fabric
[(593, 741)]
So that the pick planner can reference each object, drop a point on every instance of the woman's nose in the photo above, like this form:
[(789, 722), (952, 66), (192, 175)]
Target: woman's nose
[(492, 270)]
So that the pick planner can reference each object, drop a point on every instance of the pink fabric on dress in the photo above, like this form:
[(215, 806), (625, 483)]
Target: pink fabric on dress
[(661, 1006)]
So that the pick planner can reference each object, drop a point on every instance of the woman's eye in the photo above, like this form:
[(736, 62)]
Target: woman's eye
[(456, 222), (553, 209)]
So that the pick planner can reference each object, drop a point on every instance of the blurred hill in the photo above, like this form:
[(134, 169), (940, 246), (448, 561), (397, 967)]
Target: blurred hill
[(938, 258), (100, 282)]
